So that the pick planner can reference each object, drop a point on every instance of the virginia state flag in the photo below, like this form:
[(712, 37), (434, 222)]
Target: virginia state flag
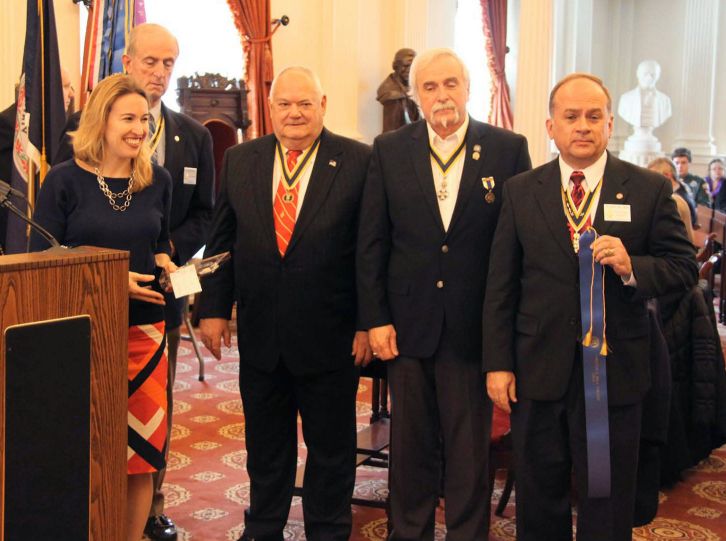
[(40, 114)]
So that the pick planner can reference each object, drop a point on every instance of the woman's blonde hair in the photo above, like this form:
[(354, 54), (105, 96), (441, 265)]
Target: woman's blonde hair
[(89, 140)]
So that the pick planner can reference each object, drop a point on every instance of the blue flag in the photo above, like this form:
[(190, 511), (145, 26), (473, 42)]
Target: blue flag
[(40, 117)]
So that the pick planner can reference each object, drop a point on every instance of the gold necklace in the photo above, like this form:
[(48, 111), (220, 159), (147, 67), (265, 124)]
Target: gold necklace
[(113, 196)]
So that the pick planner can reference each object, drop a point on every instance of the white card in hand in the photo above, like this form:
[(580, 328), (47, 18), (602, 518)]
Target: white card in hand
[(185, 281)]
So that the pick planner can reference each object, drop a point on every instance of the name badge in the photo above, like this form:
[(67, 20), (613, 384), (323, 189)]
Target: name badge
[(617, 213), (185, 281), (190, 175)]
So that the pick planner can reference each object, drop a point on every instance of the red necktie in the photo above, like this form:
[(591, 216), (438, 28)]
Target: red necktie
[(285, 206), (578, 192), (577, 195)]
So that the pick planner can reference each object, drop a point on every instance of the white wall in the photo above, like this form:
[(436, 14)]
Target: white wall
[(12, 42), (351, 44)]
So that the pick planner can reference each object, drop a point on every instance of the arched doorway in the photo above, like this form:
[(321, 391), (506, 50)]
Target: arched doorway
[(223, 137)]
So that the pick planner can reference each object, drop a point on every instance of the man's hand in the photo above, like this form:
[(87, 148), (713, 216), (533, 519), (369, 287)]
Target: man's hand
[(361, 349), (383, 342), (610, 251), (214, 330), (501, 388)]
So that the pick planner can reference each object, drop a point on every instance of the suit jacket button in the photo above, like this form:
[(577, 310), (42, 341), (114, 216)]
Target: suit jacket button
[(572, 322), (440, 284), (445, 249)]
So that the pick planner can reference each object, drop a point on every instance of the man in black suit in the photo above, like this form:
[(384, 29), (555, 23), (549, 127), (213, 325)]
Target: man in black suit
[(533, 342), (430, 208), (184, 148), (288, 211)]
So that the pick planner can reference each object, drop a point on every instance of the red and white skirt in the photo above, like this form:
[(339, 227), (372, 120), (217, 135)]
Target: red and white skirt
[(147, 398)]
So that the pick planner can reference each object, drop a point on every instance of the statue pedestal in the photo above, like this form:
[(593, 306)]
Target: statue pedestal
[(641, 147)]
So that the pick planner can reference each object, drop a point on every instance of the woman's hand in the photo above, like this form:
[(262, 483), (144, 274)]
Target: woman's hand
[(144, 293), (165, 262)]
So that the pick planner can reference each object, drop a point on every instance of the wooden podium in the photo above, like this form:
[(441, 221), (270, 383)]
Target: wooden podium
[(63, 394)]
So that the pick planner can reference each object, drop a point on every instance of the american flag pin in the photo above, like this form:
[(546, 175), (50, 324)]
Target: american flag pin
[(333, 163)]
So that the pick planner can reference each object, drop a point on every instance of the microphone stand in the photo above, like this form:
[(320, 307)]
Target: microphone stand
[(5, 202)]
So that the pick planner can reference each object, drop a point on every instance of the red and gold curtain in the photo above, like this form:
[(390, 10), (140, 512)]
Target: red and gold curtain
[(494, 18), (252, 19)]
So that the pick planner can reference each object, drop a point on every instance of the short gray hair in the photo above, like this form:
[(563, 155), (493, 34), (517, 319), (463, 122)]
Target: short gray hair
[(663, 164), (310, 74), (424, 59)]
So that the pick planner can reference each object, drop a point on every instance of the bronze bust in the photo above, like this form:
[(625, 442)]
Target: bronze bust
[(398, 108)]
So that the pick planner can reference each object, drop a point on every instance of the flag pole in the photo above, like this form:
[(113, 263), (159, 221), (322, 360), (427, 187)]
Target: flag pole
[(43, 157)]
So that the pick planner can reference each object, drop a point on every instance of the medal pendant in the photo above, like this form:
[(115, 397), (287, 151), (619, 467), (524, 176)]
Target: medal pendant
[(287, 198), (490, 197), (576, 242), (442, 194)]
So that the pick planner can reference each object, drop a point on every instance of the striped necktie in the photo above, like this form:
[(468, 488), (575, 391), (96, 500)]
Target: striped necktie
[(150, 137), (285, 206), (578, 192)]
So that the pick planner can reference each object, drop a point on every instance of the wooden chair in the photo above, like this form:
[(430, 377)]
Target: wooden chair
[(702, 233)]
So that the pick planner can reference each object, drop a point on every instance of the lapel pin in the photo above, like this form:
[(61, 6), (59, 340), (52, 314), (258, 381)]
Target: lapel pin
[(488, 183), (476, 152), (176, 138), (333, 163), (618, 195)]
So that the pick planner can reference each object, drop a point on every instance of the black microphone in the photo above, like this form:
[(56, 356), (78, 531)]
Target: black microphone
[(6, 189)]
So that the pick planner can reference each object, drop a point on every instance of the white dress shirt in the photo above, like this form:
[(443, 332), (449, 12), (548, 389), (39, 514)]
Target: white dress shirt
[(444, 148), (593, 177), (303, 179)]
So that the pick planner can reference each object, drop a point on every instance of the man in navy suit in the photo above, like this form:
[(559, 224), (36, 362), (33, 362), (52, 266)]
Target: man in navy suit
[(533, 336), (430, 208), (288, 212), (184, 148)]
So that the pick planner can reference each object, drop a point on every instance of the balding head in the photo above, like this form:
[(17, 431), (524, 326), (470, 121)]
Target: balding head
[(141, 34), (297, 72)]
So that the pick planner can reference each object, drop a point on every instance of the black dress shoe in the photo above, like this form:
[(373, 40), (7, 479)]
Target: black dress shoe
[(160, 528), (245, 537)]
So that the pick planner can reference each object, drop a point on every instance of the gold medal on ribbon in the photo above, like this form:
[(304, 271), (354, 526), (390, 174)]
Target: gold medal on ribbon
[(290, 179), (488, 183), (577, 217), (442, 193)]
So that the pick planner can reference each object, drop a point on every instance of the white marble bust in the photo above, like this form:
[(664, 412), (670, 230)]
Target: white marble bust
[(644, 106)]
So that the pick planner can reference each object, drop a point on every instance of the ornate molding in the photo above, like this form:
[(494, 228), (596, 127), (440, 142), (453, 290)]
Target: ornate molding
[(209, 81)]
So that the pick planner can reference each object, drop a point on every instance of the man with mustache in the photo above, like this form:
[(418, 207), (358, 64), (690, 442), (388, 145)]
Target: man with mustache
[(428, 216)]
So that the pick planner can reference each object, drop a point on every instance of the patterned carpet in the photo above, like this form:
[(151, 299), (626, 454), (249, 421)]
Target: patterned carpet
[(207, 487)]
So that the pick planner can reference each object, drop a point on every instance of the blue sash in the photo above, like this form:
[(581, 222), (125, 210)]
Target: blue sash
[(594, 352)]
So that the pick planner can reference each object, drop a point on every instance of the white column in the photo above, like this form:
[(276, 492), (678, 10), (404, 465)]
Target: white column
[(340, 72), (698, 90), (534, 71)]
